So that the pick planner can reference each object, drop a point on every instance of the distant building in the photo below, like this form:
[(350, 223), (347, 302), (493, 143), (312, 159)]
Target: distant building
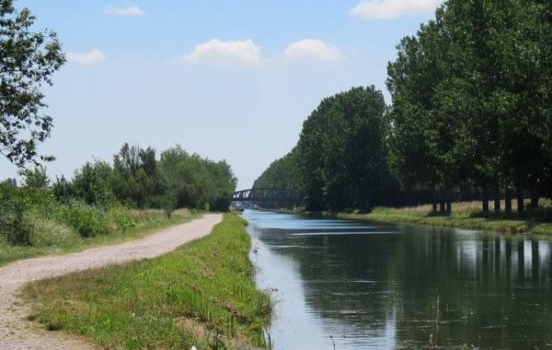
[(12, 182)]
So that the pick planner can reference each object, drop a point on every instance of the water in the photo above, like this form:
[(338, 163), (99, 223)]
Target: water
[(387, 286)]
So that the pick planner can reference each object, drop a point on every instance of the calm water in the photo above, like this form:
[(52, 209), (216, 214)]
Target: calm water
[(381, 286)]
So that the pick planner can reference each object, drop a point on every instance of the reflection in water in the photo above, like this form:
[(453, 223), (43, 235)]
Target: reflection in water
[(386, 286)]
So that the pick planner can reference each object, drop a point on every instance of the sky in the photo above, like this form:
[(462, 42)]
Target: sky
[(229, 80)]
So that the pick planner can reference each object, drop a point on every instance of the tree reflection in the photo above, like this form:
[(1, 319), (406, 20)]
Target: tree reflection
[(493, 292)]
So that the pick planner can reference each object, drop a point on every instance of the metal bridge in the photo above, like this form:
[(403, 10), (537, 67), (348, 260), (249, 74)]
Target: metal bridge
[(267, 195)]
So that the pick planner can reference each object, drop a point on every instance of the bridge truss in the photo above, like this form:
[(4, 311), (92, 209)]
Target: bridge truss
[(267, 195)]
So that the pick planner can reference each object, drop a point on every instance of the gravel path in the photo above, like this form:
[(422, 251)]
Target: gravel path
[(17, 334)]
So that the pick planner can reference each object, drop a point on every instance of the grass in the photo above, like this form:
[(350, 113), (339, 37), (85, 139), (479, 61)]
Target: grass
[(200, 295), (52, 237), (465, 215)]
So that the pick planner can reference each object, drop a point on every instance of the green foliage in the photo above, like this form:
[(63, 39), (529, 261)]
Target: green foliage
[(35, 178), (89, 221), (51, 234), (28, 59), (15, 203), (93, 183), (138, 180), (202, 295), (282, 173), (340, 160), (468, 96), (196, 182), (471, 113), (119, 218), (92, 221)]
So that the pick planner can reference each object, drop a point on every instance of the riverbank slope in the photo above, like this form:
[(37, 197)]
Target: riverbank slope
[(16, 334), (200, 295), (465, 215)]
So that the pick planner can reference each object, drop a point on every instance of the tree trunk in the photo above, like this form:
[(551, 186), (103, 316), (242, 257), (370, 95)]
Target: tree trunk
[(442, 208), (534, 198), (485, 201), (497, 200), (519, 197), (507, 201), (434, 202), (449, 202)]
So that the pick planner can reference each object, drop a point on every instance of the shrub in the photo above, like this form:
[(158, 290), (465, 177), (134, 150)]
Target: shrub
[(87, 220), (13, 204), (119, 218)]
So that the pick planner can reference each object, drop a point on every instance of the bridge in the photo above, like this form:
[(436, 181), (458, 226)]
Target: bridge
[(268, 195)]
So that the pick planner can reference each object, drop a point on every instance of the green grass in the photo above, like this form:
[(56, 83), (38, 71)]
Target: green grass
[(465, 215), (202, 294), (52, 237)]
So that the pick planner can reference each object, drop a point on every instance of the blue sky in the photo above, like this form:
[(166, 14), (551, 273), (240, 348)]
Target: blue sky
[(229, 80)]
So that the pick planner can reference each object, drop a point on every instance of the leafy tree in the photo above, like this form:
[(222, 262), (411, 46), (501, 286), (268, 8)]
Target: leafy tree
[(412, 80), (136, 180), (341, 153), (62, 189), (196, 182), (35, 178), (92, 183), (283, 173), (28, 60)]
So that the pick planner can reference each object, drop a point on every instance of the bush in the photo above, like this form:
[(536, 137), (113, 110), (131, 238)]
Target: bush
[(87, 220), (17, 229), (13, 204), (119, 218)]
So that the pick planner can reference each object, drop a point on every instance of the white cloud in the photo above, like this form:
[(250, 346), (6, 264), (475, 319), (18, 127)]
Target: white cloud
[(387, 9), (93, 57), (129, 10), (312, 50), (219, 51)]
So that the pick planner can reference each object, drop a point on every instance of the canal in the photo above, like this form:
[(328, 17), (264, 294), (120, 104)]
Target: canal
[(363, 285)]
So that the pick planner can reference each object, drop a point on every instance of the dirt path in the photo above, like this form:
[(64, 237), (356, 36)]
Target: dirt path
[(17, 334)]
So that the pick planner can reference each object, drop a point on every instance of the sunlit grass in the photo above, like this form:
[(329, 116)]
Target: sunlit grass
[(465, 215), (202, 294)]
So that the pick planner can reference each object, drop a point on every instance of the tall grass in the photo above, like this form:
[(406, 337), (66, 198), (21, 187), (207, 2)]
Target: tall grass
[(202, 294), (34, 223)]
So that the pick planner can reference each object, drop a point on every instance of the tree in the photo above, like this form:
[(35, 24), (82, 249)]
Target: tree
[(35, 178), (92, 183), (136, 179), (27, 61), (412, 80), (282, 173), (341, 153), (192, 181)]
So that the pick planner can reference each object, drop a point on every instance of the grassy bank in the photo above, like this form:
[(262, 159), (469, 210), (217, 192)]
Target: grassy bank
[(465, 215), (50, 234), (202, 294)]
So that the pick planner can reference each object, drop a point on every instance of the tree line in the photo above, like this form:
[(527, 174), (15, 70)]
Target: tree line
[(137, 179), (470, 115), (96, 201)]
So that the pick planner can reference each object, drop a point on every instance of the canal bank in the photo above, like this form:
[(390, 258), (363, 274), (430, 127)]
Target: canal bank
[(202, 294), (466, 215), (378, 286)]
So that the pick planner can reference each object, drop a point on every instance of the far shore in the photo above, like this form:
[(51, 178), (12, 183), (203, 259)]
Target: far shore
[(465, 215)]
